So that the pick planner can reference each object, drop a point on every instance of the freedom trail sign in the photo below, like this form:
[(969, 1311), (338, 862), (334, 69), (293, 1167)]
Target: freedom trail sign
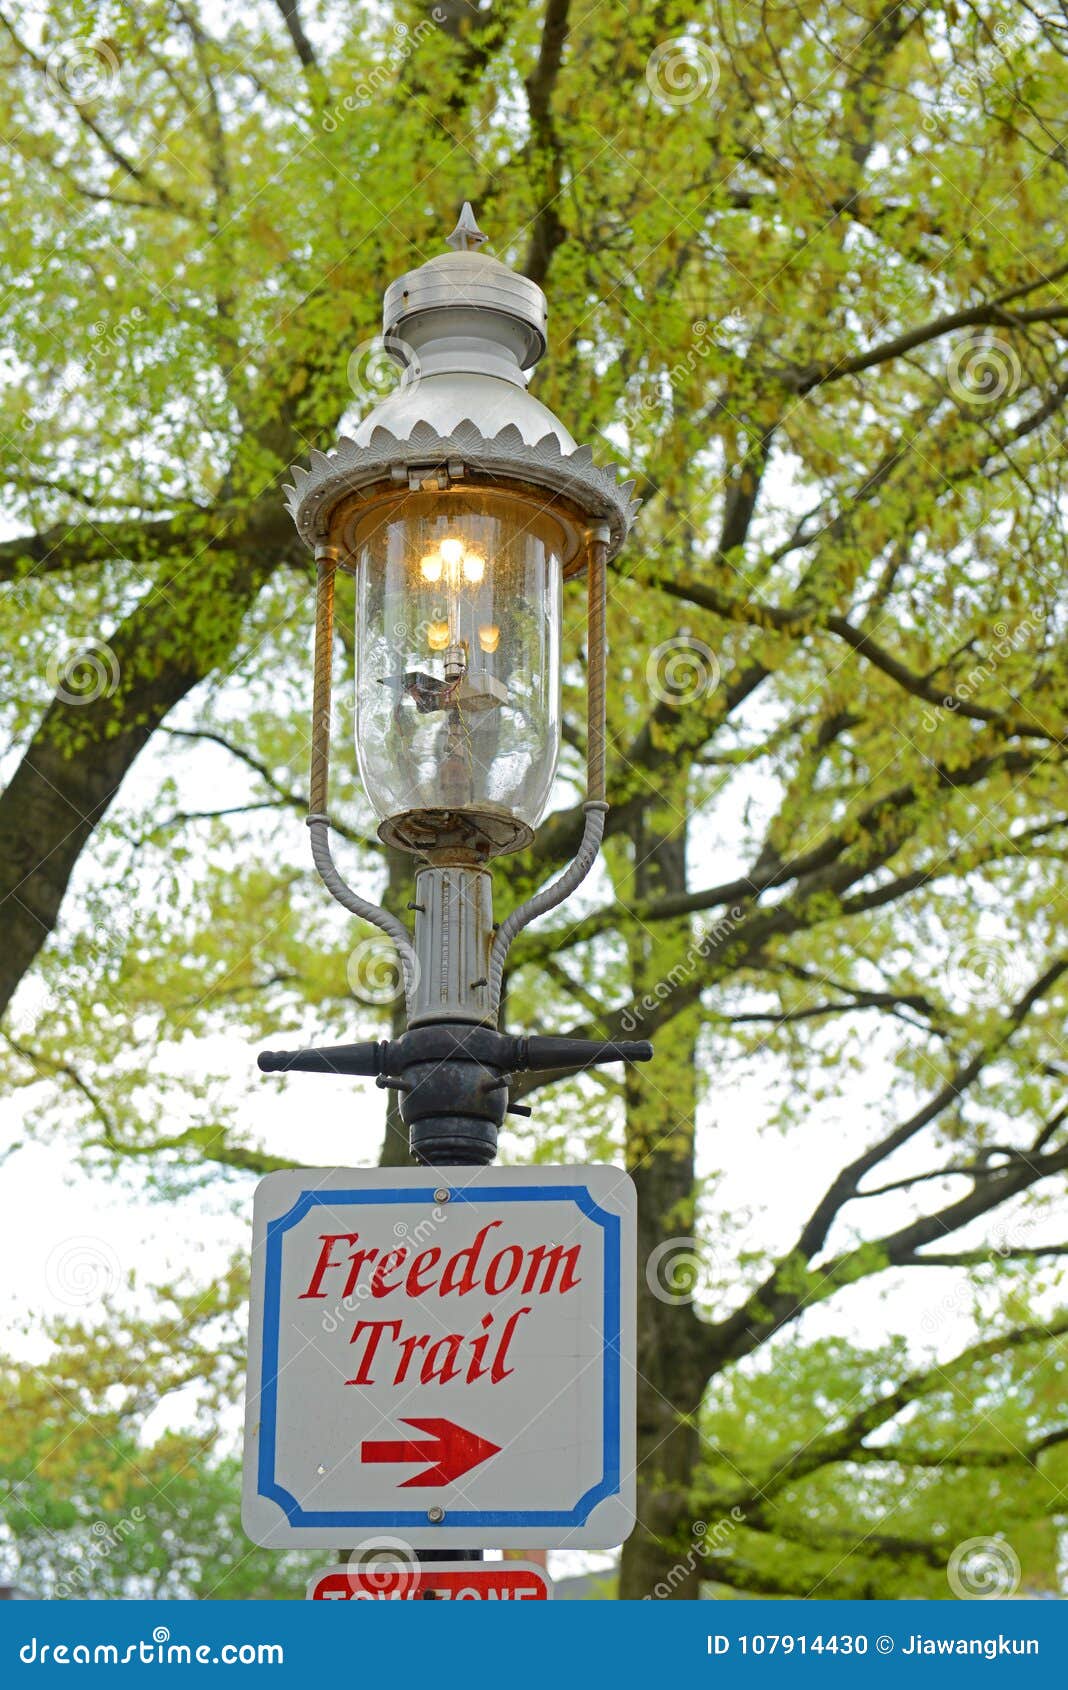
[(445, 1354)]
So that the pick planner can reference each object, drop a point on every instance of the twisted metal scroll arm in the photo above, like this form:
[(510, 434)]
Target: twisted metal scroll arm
[(326, 558), (595, 807)]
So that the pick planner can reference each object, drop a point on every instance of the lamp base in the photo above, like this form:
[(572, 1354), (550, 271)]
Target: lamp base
[(463, 836)]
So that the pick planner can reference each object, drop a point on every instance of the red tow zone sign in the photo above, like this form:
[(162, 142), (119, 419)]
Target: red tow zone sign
[(440, 1581)]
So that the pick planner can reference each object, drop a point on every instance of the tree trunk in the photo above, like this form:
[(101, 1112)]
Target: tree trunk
[(662, 1556), (104, 713)]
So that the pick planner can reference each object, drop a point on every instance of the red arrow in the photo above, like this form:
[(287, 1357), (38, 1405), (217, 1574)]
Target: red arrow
[(452, 1450)]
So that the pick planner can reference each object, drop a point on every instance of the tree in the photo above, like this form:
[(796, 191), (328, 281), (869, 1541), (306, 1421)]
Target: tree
[(805, 275), (94, 1505)]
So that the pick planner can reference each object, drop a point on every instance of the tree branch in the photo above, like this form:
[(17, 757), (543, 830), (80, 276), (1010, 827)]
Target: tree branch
[(785, 1292), (990, 314), (292, 800), (841, 1443)]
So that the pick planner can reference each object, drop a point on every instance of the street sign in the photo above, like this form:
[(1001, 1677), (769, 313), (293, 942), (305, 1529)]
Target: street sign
[(444, 1354), (437, 1581)]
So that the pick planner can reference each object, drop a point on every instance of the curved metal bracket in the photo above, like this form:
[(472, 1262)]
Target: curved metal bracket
[(327, 558), (342, 892), (549, 896)]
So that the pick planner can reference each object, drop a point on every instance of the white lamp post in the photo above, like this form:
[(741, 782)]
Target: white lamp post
[(462, 505)]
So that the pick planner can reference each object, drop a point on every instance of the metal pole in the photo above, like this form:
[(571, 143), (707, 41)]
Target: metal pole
[(427, 1557), (452, 1066)]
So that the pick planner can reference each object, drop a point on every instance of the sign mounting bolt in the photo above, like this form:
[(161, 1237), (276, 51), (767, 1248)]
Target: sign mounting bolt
[(442, 1194), (435, 1515)]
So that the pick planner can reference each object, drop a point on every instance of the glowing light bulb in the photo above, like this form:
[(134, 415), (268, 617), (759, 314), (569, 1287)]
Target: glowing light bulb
[(437, 636), (430, 567), (452, 551), (489, 636), (474, 567)]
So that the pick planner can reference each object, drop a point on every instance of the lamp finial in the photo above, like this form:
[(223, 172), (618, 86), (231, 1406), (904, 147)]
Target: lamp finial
[(467, 236)]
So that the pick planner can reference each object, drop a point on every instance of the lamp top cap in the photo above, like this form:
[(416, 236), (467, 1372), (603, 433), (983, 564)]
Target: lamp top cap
[(467, 285), (467, 236)]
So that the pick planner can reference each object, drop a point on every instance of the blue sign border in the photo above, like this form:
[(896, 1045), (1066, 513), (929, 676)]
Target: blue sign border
[(609, 1482)]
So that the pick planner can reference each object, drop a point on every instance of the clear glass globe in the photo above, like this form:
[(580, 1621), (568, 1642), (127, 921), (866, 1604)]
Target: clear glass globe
[(458, 663)]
